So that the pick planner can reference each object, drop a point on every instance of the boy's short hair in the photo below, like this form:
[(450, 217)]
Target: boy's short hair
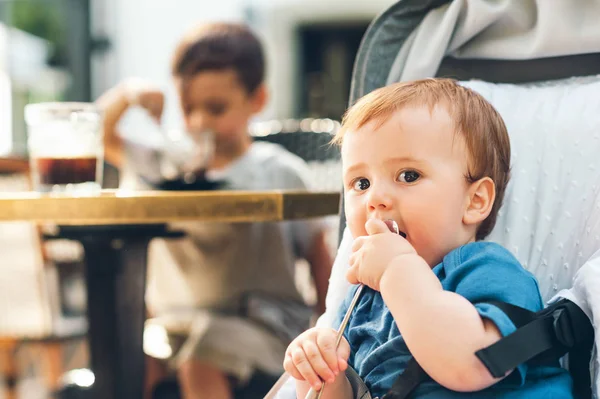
[(475, 118), (220, 46)]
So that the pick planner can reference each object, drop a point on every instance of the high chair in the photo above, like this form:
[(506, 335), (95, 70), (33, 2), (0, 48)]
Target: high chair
[(550, 219), (310, 140)]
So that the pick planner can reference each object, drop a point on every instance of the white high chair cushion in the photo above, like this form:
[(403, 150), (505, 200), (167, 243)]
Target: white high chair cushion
[(338, 285), (550, 219)]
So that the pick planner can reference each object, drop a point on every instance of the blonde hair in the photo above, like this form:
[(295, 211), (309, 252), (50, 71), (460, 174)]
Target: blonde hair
[(478, 122)]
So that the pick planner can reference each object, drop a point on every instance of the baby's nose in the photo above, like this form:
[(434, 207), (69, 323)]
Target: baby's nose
[(380, 198)]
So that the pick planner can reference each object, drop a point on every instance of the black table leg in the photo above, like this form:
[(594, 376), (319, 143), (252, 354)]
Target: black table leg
[(115, 258), (116, 284)]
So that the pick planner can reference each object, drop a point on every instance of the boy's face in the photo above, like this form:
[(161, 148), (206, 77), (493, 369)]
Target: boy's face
[(412, 170), (216, 101)]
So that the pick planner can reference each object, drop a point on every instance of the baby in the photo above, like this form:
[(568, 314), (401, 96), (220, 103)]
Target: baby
[(434, 157)]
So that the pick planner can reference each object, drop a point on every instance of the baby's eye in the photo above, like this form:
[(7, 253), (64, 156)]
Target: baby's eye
[(409, 176), (361, 184)]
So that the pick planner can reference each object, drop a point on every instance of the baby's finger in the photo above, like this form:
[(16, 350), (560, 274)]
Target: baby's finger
[(290, 367), (343, 353), (352, 275), (305, 368), (376, 226), (352, 260), (326, 343), (317, 362), (358, 243)]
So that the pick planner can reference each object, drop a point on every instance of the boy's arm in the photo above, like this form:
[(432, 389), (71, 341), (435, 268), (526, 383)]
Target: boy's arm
[(114, 104), (320, 260), (442, 329)]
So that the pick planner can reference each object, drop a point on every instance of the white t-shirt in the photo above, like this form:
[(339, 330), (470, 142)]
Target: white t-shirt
[(218, 264)]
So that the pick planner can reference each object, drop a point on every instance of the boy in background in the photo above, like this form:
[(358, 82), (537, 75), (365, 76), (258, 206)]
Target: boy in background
[(241, 307)]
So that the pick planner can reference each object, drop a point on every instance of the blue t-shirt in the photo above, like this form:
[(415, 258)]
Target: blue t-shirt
[(480, 272)]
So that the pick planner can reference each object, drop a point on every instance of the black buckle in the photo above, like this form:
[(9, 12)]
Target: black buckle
[(570, 328), (569, 324), (562, 327)]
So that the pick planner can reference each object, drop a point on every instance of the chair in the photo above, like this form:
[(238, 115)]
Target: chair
[(541, 248), (30, 308), (310, 140), (550, 217)]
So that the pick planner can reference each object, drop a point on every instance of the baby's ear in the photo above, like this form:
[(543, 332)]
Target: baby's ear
[(482, 194)]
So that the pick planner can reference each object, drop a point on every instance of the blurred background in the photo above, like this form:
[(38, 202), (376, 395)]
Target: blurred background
[(73, 50)]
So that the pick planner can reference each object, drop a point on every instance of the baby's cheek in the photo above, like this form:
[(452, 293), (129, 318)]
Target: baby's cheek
[(428, 250), (356, 224), (354, 231)]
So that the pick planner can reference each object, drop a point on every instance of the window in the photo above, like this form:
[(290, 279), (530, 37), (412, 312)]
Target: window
[(44, 56)]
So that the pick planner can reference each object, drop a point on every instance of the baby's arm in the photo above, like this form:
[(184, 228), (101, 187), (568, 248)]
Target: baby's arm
[(312, 358), (442, 329)]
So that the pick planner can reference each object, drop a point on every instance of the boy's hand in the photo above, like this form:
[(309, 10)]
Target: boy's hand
[(313, 357), (372, 254), (146, 95)]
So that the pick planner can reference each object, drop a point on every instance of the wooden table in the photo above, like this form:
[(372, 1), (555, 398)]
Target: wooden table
[(135, 207), (115, 229)]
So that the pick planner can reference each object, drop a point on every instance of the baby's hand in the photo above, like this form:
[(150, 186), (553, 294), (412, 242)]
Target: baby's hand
[(372, 254), (313, 357), (145, 94)]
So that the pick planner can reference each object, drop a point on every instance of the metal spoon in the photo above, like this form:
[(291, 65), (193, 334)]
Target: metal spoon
[(312, 394)]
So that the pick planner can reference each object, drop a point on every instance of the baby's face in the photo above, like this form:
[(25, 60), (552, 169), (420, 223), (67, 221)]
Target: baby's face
[(412, 170)]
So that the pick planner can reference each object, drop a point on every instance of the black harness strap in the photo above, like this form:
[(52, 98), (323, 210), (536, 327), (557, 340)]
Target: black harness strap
[(579, 367), (407, 381), (519, 347), (559, 329), (540, 339)]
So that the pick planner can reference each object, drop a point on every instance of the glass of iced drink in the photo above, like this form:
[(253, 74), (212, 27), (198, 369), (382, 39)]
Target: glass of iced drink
[(65, 147)]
